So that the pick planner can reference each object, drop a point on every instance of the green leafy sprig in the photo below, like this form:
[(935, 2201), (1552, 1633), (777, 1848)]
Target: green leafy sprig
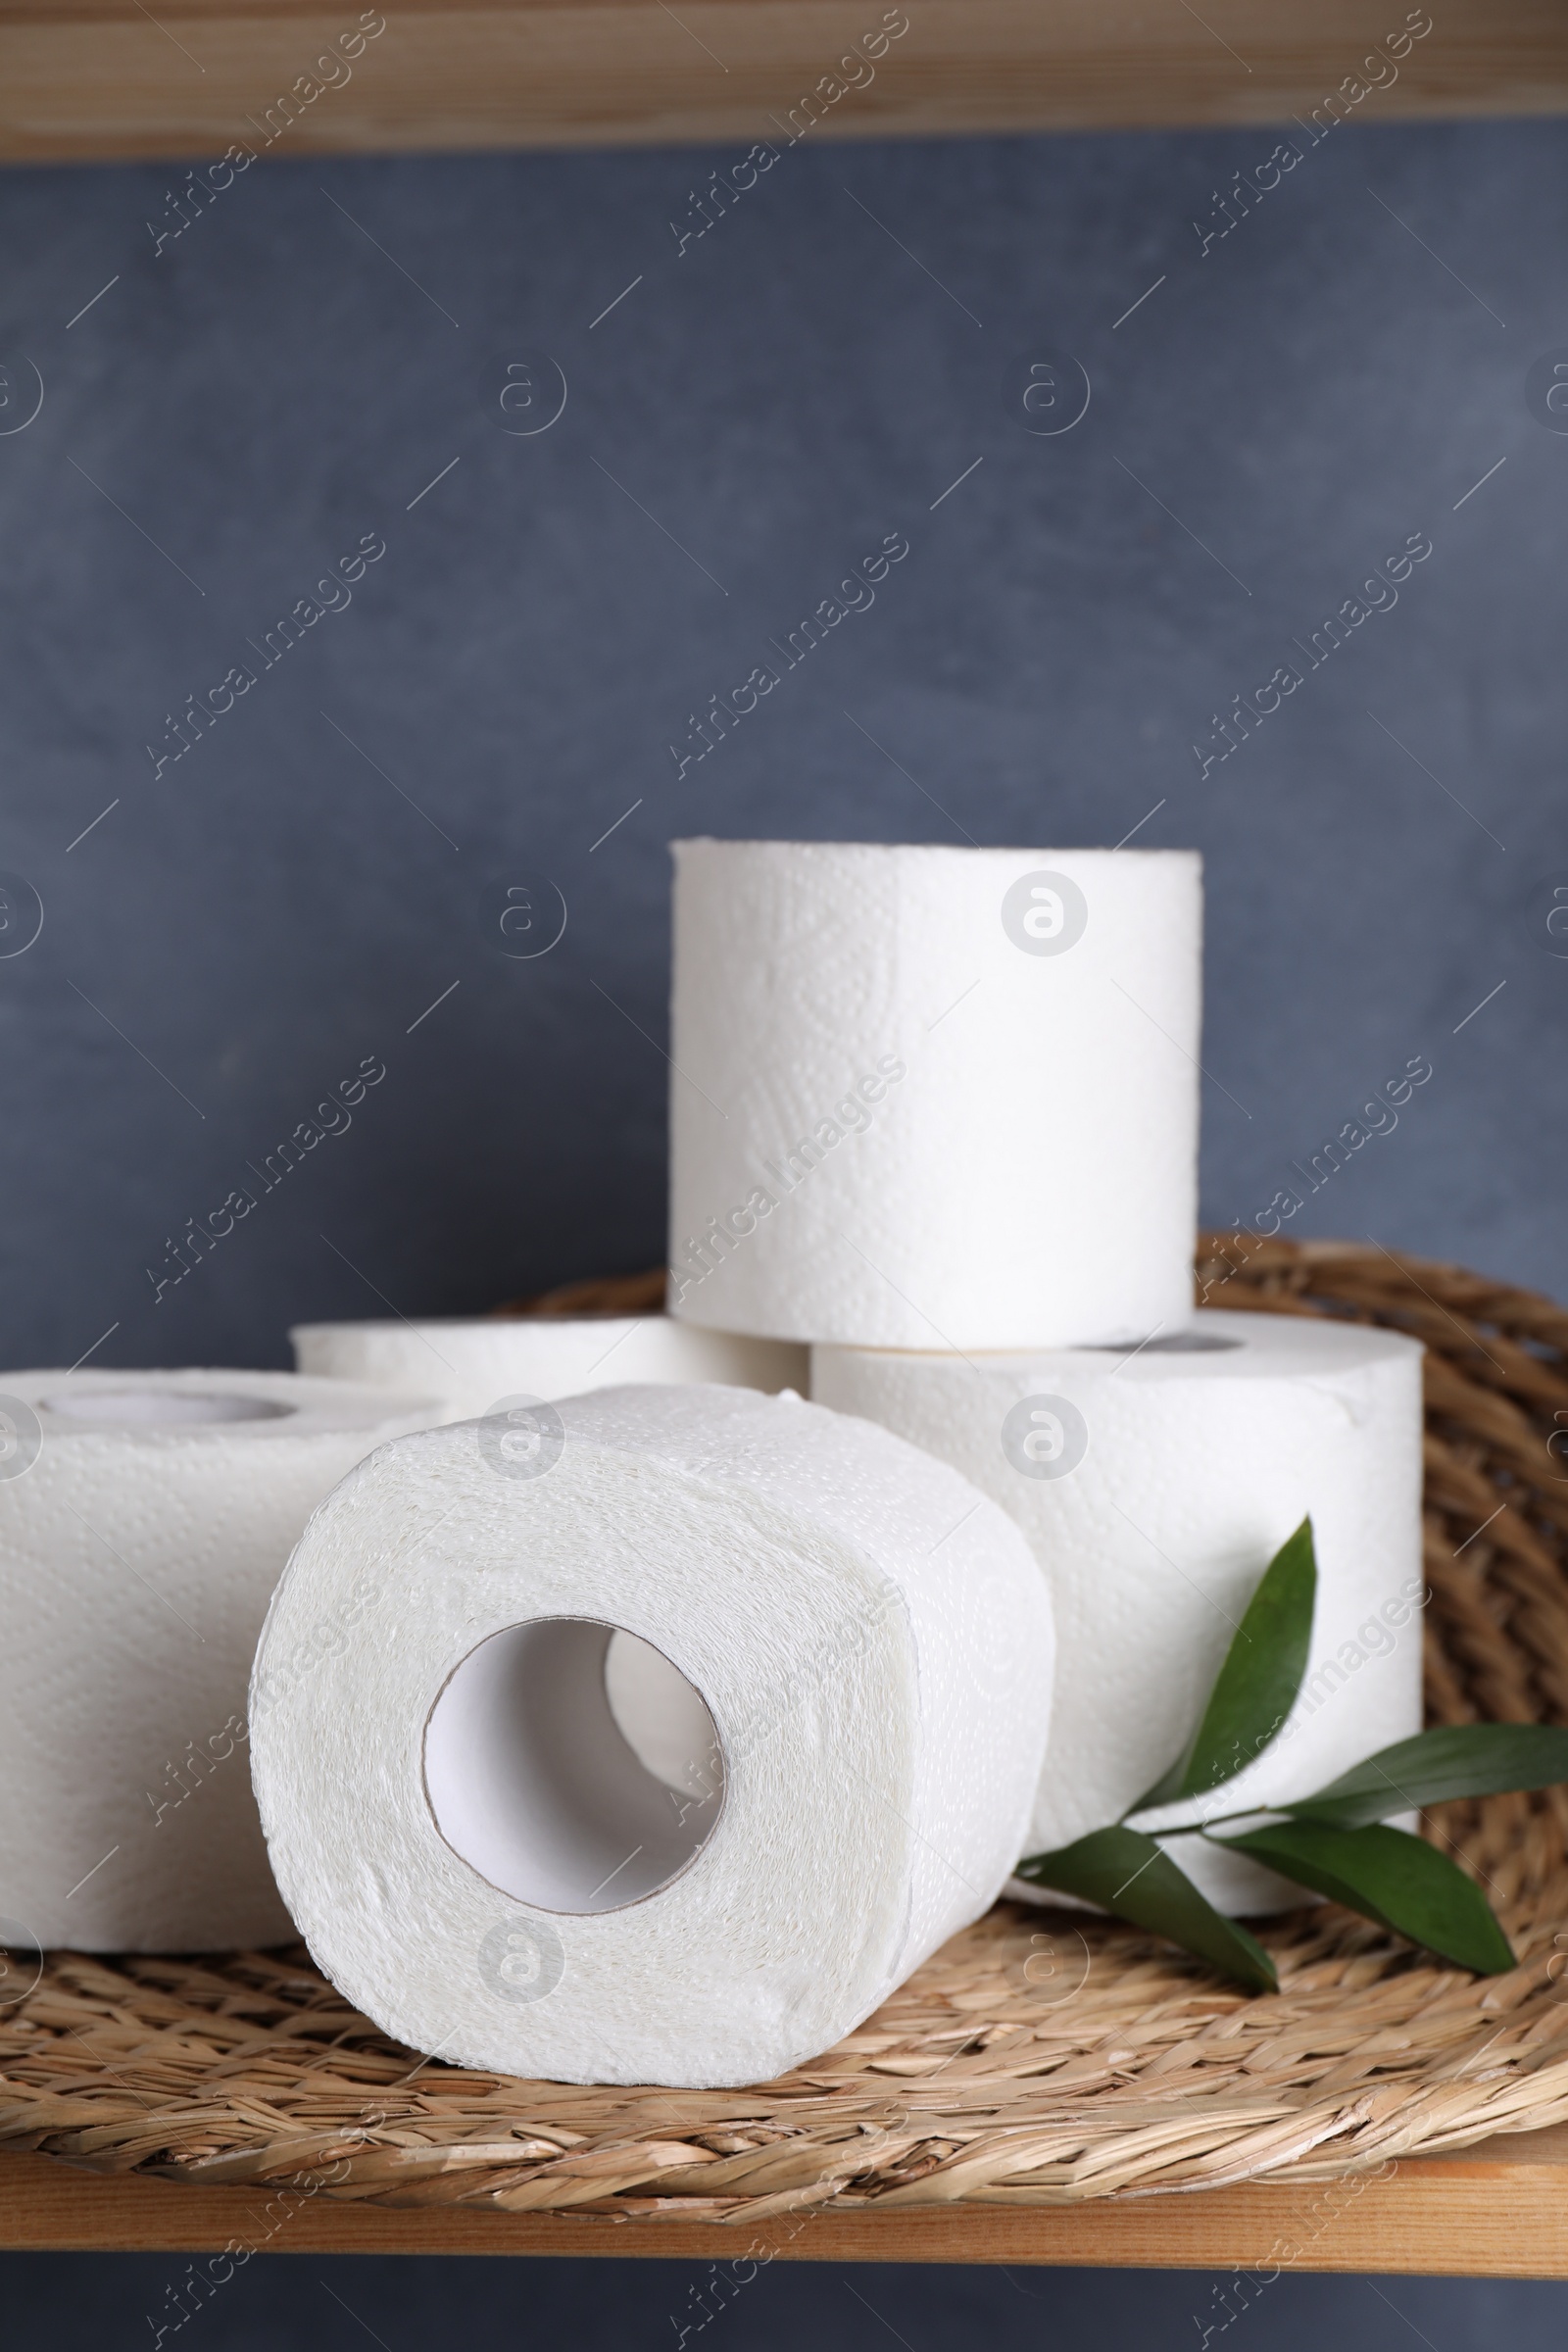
[(1337, 1841)]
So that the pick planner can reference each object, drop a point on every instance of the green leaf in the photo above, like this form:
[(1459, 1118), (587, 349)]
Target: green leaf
[(1256, 1688), (1465, 1759), (1127, 1872), (1389, 1876)]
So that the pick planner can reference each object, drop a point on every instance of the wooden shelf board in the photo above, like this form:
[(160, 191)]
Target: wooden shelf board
[(94, 79), (1499, 2210)]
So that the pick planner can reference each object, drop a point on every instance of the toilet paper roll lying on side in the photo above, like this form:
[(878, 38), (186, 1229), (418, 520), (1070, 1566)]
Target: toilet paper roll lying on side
[(1155, 1489), (146, 1518), (475, 1364), (479, 1860), (916, 1089)]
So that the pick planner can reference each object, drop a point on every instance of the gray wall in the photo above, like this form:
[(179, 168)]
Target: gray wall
[(248, 922), (75, 2303)]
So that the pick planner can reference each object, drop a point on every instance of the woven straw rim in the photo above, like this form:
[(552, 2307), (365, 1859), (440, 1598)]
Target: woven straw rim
[(1038, 2058)]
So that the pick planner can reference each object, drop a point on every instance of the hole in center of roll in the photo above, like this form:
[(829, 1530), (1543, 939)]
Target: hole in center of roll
[(1175, 1342), (161, 1409), (572, 1765)]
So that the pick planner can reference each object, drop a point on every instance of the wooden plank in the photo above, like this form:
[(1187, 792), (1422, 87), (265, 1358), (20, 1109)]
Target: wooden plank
[(1497, 2211), (83, 79)]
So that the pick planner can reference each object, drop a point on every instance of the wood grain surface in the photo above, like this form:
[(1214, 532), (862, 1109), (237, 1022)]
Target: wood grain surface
[(1495, 2211), (83, 80)]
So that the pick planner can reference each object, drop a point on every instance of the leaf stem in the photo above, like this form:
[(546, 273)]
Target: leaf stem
[(1202, 1829)]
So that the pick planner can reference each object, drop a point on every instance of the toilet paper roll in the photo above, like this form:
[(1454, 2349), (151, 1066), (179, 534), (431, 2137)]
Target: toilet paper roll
[(146, 1518), (479, 1860), (475, 1364), (934, 1097), (1154, 1489)]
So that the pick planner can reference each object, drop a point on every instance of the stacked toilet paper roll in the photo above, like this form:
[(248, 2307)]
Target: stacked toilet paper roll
[(860, 1651), (146, 1518), (472, 1365), (934, 1097), (1155, 1486)]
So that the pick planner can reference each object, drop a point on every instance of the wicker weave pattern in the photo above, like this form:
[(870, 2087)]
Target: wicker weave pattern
[(1037, 2059)]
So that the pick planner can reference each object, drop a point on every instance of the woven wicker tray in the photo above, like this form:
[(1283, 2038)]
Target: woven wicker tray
[(1038, 2059)]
